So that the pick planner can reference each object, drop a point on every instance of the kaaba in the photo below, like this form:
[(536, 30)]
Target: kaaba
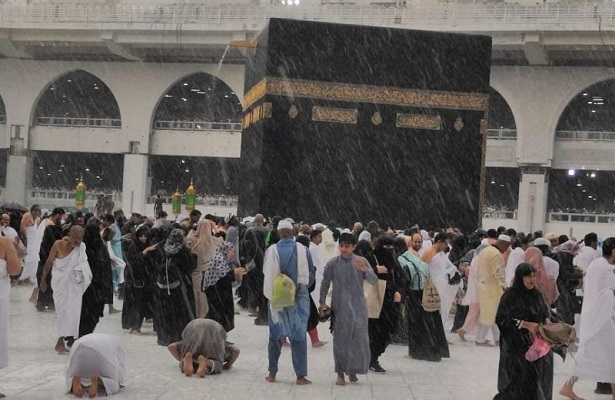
[(356, 123)]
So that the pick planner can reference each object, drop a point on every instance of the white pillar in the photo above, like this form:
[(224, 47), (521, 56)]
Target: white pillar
[(16, 178), (533, 192), (18, 175), (134, 187)]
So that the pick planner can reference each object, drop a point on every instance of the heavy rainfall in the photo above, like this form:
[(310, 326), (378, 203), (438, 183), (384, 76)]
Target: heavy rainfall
[(412, 198)]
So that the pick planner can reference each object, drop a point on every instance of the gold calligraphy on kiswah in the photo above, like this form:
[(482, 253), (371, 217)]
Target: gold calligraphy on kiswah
[(333, 91), (259, 112), (332, 114), (418, 121)]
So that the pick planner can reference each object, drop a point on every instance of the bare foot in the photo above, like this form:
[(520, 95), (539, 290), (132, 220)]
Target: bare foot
[(486, 343), (187, 364), (60, 347), (353, 378), (135, 331), (33, 296), (301, 380), (114, 310), (234, 356), (270, 377), (202, 370), (408, 356), (340, 381), (566, 391), (76, 386), (93, 389), (461, 333), (320, 343)]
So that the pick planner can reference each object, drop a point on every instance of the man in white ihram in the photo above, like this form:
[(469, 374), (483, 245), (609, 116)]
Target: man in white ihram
[(71, 276), (595, 359)]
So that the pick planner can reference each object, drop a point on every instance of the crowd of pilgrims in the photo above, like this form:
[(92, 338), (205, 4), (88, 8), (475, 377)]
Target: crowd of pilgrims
[(198, 266)]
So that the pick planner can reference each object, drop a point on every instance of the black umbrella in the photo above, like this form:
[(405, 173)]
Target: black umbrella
[(13, 207)]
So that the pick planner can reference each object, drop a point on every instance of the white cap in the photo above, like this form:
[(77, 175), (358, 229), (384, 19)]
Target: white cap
[(542, 242), (284, 224), (504, 238)]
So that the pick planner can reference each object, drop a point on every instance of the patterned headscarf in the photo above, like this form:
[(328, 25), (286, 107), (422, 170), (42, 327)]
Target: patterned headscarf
[(174, 242), (570, 247), (544, 282), (218, 266)]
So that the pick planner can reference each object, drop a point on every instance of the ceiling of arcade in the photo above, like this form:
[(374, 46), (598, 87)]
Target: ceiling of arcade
[(559, 48)]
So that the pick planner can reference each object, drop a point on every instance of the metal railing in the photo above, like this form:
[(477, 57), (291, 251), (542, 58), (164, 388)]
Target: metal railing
[(447, 16), (79, 122), (584, 135), (500, 214), (70, 194), (226, 201), (198, 126), (581, 217), (502, 134)]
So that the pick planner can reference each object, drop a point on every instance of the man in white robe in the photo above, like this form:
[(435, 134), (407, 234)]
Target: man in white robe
[(71, 276), (29, 229), (96, 364), (491, 286), (440, 268), (595, 359), (588, 253), (9, 265)]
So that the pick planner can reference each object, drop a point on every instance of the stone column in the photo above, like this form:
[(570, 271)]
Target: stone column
[(134, 187), (18, 168), (533, 193)]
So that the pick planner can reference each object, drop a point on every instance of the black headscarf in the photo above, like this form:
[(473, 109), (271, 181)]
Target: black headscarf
[(522, 303), (174, 242), (141, 230)]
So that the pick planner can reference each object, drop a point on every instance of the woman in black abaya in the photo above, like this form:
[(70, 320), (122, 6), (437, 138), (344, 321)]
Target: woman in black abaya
[(522, 309), (100, 290), (138, 287)]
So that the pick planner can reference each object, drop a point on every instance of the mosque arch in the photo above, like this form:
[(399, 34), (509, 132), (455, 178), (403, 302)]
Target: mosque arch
[(587, 115), (197, 97), (77, 95), (500, 114), (501, 184), (590, 109)]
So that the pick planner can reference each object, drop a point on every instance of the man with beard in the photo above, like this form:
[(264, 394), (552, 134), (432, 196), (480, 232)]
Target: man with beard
[(380, 329), (491, 286), (71, 277), (426, 338), (53, 232), (441, 269)]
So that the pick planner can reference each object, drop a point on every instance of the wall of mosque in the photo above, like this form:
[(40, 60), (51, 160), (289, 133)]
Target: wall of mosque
[(137, 87), (537, 97)]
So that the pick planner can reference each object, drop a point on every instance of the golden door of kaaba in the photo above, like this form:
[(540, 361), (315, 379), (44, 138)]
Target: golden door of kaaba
[(354, 123)]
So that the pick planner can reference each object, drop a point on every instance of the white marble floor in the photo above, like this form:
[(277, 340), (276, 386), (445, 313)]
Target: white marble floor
[(35, 371)]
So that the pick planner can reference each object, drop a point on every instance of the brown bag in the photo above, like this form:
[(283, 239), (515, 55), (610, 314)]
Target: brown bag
[(558, 333), (374, 297), (431, 297)]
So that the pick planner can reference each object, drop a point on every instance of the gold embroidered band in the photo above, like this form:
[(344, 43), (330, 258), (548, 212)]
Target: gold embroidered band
[(366, 94), (331, 114), (418, 121)]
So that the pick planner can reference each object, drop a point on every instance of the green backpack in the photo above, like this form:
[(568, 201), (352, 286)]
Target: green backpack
[(283, 291)]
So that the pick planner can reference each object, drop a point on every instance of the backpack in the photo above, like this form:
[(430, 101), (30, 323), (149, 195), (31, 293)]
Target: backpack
[(283, 291), (168, 275)]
